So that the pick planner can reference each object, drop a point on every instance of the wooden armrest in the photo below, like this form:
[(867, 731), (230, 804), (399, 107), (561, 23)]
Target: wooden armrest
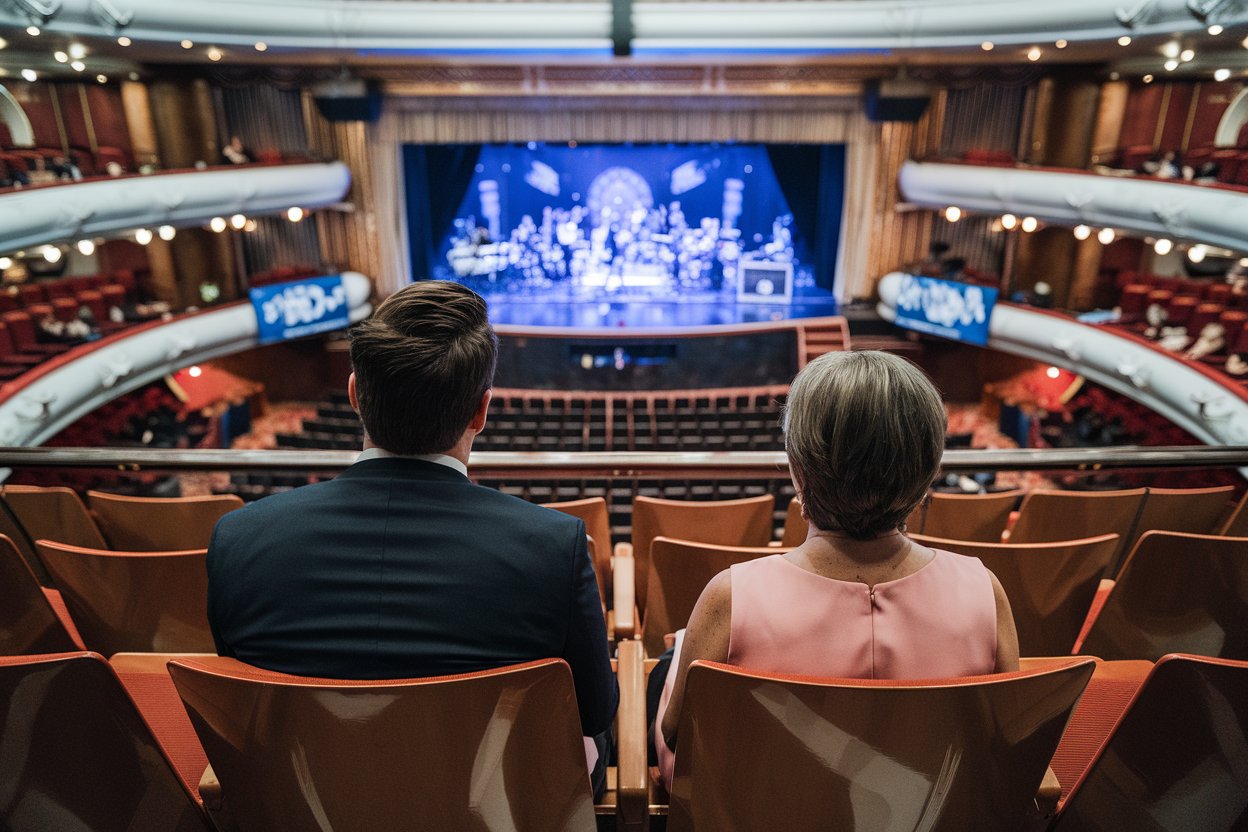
[(633, 778), (1049, 793), (625, 597), (210, 789), (623, 549)]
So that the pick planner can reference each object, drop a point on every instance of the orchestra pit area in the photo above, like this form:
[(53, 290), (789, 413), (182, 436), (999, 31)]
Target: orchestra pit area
[(623, 415)]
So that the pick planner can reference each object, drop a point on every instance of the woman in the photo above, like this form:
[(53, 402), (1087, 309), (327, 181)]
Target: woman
[(864, 433)]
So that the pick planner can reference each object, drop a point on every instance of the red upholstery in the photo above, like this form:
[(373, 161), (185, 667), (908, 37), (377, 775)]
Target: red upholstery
[(152, 690), (58, 606)]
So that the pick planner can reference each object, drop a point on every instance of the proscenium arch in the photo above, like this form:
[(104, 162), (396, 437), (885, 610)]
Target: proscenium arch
[(14, 117), (1232, 120)]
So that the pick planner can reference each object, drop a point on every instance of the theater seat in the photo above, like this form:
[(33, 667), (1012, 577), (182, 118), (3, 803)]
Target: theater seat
[(1178, 758), (793, 753), (1193, 510), (149, 602), (155, 524), (28, 621), (54, 513), (593, 512), (498, 749), (76, 755), (1049, 516), (1050, 585), (795, 526), (978, 517)]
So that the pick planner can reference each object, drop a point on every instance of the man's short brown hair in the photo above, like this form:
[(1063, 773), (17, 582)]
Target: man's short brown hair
[(865, 435), (422, 363)]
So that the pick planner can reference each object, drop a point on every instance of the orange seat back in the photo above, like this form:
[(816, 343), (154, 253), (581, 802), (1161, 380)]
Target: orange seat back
[(28, 624), (1191, 510), (593, 512), (977, 517), (498, 749), (55, 513), (762, 751), (159, 524), (795, 526), (1047, 516)]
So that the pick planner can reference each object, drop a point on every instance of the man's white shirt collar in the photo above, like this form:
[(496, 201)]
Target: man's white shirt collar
[(440, 459)]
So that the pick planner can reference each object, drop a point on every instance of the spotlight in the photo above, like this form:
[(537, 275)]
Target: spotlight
[(77, 51), (953, 213), (3, 43), (218, 224), (1105, 235), (167, 232), (1034, 53), (52, 254), (1163, 247), (1186, 55), (296, 214), (103, 79), (86, 247), (1216, 29), (1147, 79), (1052, 372), (1171, 65), (187, 44), (1197, 254), (195, 371), (261, 46), (6, 263), (1030, 224), (1082, 232), (33, 31), (30, 75), (214, 54), (1061, 43), (1171, 49), (142, 236), (1125, 40), (987, 46), (1221, 74), (237, 222), (1009, 221), (124, 41), (60, 57), (78, 66), (251, 225)]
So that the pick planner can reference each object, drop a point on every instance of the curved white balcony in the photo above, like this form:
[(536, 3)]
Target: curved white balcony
[(105, 207), (39, 404), (1194, 397), (442, 27), (1163, 208)]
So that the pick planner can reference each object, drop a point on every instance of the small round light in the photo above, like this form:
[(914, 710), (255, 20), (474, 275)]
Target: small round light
[(1030, 224), (134, 76), (1163, 247), (1061, 43), (1034, 53), (142, 236), (1171, 49), (103, 79), (1216, 29), (1221, 74), (1244, 43), (1125, 40), (6, 263), (86, 247), (987, 46), (167, 232), (3, 43), (1170, 65), (1197, 254), (1008, 221), (124, 41), (33, 31), (953, 213), (295, 214), (214, 54), (217, 224), (1187, 55), (251, 225), (77, 51), (30, 75), (78, 66), (195, 371), (261, 46), (1147, 79), (237, 222), (1082, 232), (187, 44), (60, 57), (52, 254), (1052, 372), (1105, 235), (1114, 76)]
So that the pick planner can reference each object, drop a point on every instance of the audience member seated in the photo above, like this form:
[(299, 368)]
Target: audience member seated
[(858, 599), (236, 153), (400, 567)]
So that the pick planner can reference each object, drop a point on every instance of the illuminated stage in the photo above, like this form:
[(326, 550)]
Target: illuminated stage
[(507, 310)]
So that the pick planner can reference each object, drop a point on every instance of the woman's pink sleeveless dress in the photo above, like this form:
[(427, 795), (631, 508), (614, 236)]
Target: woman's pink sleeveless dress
[(938, 622)]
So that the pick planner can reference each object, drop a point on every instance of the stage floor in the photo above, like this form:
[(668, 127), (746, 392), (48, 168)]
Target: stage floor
[(512, 311)]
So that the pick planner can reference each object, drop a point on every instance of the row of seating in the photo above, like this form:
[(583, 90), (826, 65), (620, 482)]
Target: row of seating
[(213, 743)]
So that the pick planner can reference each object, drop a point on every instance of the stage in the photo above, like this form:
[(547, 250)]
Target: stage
[(506, 310)]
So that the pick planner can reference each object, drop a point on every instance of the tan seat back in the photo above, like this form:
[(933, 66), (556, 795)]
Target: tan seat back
[(1177, 593), (137, 602), (1050, 585), (1190, 510), (79, 755), (745, 522), (159, 524), (977, 517), (795, 526), (1049, 516), (28, 624), (499, 749), (593, 512), (679, 571), (759, 751), (55, 513)]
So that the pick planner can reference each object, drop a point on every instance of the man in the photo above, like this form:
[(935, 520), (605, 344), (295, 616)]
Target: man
[(400, 567)]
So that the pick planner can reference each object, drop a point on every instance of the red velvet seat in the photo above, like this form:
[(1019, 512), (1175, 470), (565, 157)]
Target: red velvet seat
[(22, 329), (1180, 309), (1134, 300)]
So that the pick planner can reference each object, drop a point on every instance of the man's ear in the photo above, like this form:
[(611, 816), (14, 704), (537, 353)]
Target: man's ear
[(478, 418), (351, 395)]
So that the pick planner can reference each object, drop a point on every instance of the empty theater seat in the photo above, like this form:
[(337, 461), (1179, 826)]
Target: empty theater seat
[(29, 623), (153, 524), (980, 517)]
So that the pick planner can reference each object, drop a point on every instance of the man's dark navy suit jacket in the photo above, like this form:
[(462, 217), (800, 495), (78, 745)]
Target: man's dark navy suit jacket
[(403, 568)]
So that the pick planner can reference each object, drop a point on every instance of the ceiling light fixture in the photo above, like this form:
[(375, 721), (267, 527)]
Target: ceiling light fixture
[(52, 254), (1171, 49), (103, 79), (1082, 232), (218, 224), (1147, 79), (1216, 29), (86, 247), (30, 75), (60, 57), (142, 236), (6, 263), (1197, 253), (1163, 247), (1053, 372), (187, 44), (1125, 40), (261, 46), (124, 41), (1186, 55), (77, 66), (295, 214), (1221, 74), (77, 51), (237, 222), (1030, 224), (1008, 221), (167, 232), (1034, 53), (1061, 43), (1170, 65), (3, 43), (988, 45), (214, 54), (1105, 235), (33, 31)]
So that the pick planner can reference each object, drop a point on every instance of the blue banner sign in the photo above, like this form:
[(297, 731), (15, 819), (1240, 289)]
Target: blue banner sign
[(303, 307), (958, 311)]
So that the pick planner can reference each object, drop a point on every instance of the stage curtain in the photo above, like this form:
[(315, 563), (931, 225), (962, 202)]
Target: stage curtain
[(435, 178), (817, 201)]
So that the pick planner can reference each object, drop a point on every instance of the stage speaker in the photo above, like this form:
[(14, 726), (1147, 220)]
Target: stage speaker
[(347, 99), (765, 282), (896, 99)]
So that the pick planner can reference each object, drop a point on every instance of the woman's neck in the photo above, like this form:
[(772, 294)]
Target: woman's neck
[(836, 555)]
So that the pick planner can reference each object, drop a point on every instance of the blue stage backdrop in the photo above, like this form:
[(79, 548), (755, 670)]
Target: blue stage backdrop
[(711, 224)]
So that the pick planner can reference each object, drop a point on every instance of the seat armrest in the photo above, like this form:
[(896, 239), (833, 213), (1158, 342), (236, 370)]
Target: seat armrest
[(633, 777), (1048, 794), (624, 595), (210, 790)]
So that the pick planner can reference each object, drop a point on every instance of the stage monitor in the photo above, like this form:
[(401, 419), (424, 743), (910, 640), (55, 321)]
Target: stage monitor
[(958, 311), (607, 235)]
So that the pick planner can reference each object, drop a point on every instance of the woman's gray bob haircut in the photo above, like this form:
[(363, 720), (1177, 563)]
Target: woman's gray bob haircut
[(865, 432)]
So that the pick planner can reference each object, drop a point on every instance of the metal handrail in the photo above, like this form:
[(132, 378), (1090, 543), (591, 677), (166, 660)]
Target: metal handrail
[(583, 465)]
